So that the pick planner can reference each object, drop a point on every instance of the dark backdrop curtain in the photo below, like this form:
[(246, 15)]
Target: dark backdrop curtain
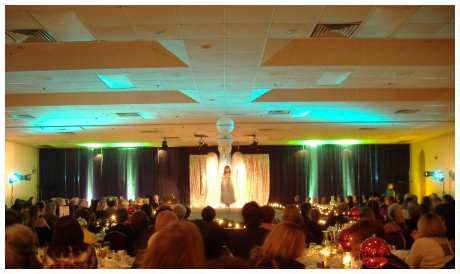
[(66, 172)]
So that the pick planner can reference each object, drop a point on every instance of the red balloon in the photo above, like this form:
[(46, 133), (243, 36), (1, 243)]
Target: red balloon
[(374, 252), (344, 239), (354, 213)]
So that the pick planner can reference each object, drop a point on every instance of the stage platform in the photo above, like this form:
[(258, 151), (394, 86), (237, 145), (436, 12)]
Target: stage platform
[(233, 214)]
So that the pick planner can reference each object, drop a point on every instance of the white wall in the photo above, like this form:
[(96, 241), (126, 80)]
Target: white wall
[(22, 159), (439, 154)]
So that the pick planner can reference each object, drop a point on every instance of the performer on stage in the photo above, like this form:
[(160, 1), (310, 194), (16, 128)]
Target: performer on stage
[(227, 194)]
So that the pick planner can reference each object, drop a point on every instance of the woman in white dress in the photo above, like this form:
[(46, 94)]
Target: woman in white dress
[(227, 194)]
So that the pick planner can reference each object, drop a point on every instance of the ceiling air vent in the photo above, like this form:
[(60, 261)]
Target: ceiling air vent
[(22, 116), (30, 36), (407, 111), (128, 114), (334, 30), (277, 112)]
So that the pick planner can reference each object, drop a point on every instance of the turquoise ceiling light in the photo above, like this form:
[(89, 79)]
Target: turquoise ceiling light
[(116, 81)]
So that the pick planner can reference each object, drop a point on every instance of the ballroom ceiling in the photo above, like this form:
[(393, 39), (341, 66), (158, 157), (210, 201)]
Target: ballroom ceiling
[(284, 74)]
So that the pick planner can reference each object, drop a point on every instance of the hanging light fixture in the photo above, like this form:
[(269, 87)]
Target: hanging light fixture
[(164, 145), (202, 144), (255, 143)]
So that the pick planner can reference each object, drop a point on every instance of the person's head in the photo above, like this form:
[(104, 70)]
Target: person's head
[(180, 211), (426, 205), (431, 225), (415, 197), (83, 203), (296, 198), (374, 205), (208, 213), (349, 199), (156, 198), (436, 201), (390, 186), (413, 210), (315, 200), (400, 198), (148, 209), (251, 214), (314, 215), (292, 213), (31, 201), (304, 209), (186, 255), (447, 198), (111, 203), (73, 202), (187, 212), (82, 213), (307, 199), (389, 200), (339, 198), (395, 213), (165, 218), (12, 217), (139, 221), (227, 170), (67, 236), (286, 240), (268, 214), (20, 247), (323, 200), (102, 205), (34, 213), (122, 215), (363, 229)]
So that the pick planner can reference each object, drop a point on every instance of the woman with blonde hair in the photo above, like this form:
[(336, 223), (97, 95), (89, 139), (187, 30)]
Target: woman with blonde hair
[(431, 249), (178, 245), (101, 210), (292, 213), (283, 245)]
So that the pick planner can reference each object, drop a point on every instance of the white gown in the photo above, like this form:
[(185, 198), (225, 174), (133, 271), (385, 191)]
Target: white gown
[(227, 194)]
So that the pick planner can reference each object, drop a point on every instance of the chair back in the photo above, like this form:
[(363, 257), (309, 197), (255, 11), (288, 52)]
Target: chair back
[(63, 265), (118, 240), (225, 251), (396, 239)]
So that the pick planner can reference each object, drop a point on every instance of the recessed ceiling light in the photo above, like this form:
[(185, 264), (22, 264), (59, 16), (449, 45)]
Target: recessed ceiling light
[(116, 81)]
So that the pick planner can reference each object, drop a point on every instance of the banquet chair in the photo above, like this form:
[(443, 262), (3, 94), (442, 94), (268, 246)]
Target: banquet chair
[(118, 240), (396, 239), (63, 265)]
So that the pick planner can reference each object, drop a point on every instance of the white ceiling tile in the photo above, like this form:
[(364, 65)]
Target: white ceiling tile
[(208, 74), (194, 14), (291, 31), (297, 14), (248, 14), (104, 17), (435, 14), (150, 84), (384, 21), (246, 30), (135, 76), (20, 20), (151, 15), (418, 31), (448, 32), (344, 14), (203, 31), (240, 74), (199, 60), (158, 32), (244, 46), (239, 82), (205, 46), (242, 59)]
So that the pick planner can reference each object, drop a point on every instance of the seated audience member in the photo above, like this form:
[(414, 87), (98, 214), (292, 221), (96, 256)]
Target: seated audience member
[(375, 206), (396, 217), (431, 249), (400, 198), (50, 214), (178, 245), (180, 211), (138, 223), (282, 246), (314, 228), (39, 224), (101, 210), (67, 245), (187, 213), (156, 201), (323, 200), (21, 247), (268, 216), (164, 218), (315, 200), (121, 215), (88, 237), (213, 234), (84, 213), (148, 209), (365, 228), (340, 199), (19, 206), (413, 213), (341, 218), (387, 201), (292, 213), (111, 207), (349, 201), (296, 200), (426, 205), (241, 241), (12, 217), (447, 213), (304, 212), (82, 203)]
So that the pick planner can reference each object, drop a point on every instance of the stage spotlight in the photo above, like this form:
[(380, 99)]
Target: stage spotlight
[(437, 175), (164, 145), (202, 144), (16, 177), (255, 143)]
